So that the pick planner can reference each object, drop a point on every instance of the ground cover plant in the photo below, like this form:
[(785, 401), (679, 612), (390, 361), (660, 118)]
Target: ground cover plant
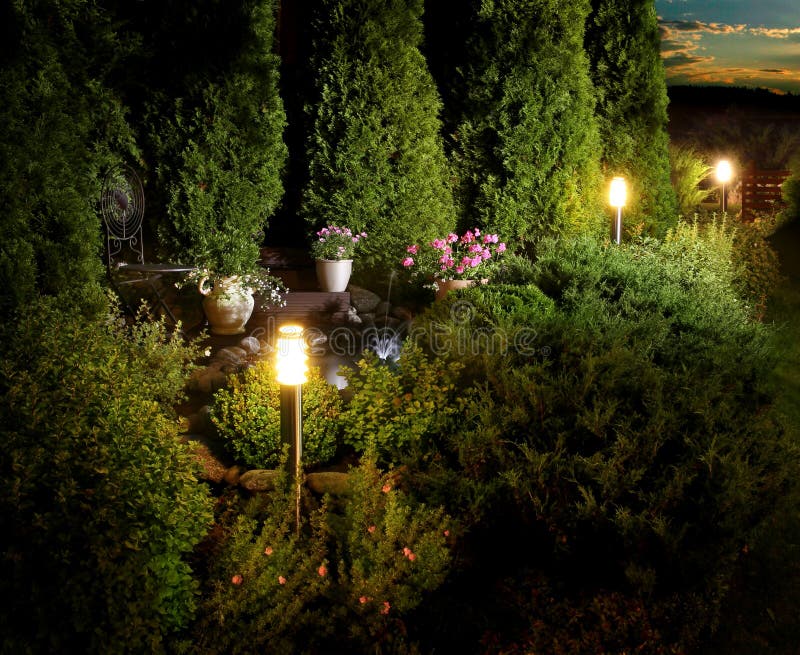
[(100, 507), (626, 447)]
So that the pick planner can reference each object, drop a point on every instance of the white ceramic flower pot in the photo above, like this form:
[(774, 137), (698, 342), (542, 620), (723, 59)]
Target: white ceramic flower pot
[(334, 274), (227, 304)]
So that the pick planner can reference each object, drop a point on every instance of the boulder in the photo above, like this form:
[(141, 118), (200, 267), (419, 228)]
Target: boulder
[(382, 309), (402, 313), (234, 474), (231, 355), (259, 480), (250, 345), (362, 299), (328, 482)]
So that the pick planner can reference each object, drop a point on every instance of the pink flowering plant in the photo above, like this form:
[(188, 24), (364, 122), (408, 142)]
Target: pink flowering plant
[(334, 242), (466, 257)]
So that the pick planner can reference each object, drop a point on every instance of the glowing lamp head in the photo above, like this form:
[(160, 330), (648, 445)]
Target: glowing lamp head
[(724, 171), (618, 194), (290, 356)]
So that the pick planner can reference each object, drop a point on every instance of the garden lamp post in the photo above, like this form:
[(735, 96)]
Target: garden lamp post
[(290, 363), (616, 198), (724, 174)]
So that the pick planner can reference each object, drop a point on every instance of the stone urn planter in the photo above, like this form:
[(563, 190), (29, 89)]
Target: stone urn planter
[(334, 274), (227, 303)]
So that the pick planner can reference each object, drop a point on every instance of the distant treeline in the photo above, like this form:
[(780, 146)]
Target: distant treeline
[(733, 95)]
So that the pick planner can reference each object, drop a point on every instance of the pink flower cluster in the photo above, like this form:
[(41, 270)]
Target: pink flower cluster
[(334, 242), (455, 257)]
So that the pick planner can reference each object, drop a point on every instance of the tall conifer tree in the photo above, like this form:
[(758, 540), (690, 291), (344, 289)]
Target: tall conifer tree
[(376, 157), (526, 144), (61, 127), (623, 44)]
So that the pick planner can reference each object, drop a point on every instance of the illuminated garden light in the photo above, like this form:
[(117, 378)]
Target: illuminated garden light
[(724, 175), (617, 197), (291, 364)]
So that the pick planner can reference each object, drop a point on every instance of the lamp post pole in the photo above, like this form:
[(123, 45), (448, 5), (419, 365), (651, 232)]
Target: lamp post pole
[(291, 366), (724, 174), (617, 197)]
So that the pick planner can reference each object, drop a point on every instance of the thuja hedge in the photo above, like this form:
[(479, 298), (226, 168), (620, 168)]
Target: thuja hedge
[(221, 151), (99, 503), (623, 45), (526, 153), (612, 449), (376, 159), (61, 128)]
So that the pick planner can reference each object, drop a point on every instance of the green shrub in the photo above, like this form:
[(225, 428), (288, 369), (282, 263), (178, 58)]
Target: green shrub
[(99, 503), (688, 171), (376, 159), (393, 409), (526, 149), (247, 415), (758, 270), (222, 155), (343, 584), (61, 128), (623, 44), (790, 191), (276, 602), (630, 444)]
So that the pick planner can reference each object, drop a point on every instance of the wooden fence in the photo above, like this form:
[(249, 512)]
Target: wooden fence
[(761, 192)]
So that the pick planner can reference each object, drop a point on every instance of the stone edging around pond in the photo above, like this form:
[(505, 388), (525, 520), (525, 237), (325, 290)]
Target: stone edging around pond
[(367, 311)]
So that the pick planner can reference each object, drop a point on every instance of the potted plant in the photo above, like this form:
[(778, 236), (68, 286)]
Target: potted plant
[(229, 300), (221, 163), (333, 251), (455, 262)]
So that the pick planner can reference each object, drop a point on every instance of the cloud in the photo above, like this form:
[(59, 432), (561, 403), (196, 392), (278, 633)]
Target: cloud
[(780, 71), (685, 59), (699, 26), (792, 33)]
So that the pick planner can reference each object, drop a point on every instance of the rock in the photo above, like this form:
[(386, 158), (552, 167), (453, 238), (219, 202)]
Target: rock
[(362, 299), (234, 474), (382, 309), (208, 380), (259, 480), (230, 369), (328, 482), (250, 345), (402, 313), (368, 319), (231, 355), (387, 322), (352, 316)]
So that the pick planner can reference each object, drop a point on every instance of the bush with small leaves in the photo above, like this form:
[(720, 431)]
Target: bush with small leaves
[(99, 503), (342, 583), (247, 415), (394, 408)]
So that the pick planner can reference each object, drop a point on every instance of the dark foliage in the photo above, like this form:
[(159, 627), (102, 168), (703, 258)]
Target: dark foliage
[(623, 44)]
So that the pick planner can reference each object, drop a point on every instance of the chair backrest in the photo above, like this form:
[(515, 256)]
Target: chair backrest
[(122, 208)]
